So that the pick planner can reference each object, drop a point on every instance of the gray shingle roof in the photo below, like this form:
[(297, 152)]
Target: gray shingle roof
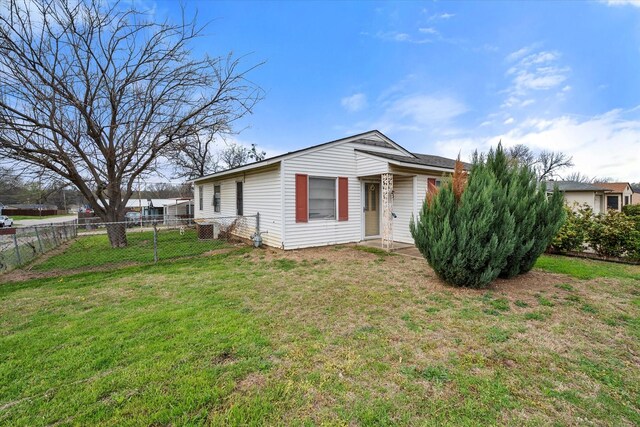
[(420, 159), (573, 186)]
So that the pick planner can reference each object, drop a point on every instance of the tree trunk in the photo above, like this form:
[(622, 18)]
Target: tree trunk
[(116, 229), (117, 233)]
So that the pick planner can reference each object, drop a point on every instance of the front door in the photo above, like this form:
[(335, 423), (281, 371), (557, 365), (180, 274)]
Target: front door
[(371, 209)]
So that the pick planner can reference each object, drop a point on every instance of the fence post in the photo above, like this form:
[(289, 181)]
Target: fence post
[(15, 243), (39, 241), (53, 231), (155, 243), (257, 222)]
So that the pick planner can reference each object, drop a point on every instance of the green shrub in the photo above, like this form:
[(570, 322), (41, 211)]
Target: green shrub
[(466, 234), (537, 217), (499, 223), (520, 187), (614, 234), (631, 210), (573, 233), (549, 218)]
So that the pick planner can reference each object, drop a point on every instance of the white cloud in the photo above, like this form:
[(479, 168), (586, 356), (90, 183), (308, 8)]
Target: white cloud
[(425, 109), (603, 145), (533, 72), (514, 56), (355, 102), (635, 3), (428, 30), (397, 36), (509, 121), (443, 15), (428, 113)]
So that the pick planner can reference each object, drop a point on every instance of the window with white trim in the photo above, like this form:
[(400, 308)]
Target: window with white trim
[(322, 198), (216, 198), (201, 197)]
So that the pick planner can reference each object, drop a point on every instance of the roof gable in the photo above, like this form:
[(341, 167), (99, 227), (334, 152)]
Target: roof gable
[(373, 138)]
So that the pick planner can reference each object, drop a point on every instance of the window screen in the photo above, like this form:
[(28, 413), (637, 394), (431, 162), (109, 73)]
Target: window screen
[(322, 198), (612, 202), (239, 196), (216, 198)]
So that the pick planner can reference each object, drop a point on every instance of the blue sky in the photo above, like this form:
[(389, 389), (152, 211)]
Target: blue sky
[(440, 77)]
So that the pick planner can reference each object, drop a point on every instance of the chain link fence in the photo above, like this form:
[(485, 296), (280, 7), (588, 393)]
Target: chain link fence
[(20, 246), (89, 245)]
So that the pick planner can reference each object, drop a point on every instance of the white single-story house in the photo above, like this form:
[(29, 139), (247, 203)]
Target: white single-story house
[(577, 194), (178, 209), (619, 194), (361, 187)]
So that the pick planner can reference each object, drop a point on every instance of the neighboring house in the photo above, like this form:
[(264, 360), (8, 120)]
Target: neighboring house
[(635, 197), (577, 194), (619, 194), (178, 209), (361, 187)]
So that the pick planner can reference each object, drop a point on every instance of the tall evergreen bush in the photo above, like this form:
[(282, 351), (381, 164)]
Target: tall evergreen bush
[(466, 237), (498, 224)]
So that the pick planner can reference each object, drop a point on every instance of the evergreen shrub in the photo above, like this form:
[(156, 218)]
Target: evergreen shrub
[(496, 220)]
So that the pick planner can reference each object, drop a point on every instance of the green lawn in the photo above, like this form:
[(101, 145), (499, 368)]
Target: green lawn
[(331, 336), (95, 251)]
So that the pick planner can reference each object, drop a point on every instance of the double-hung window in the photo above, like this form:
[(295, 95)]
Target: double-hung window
[(201, 197), (322, 198), (216, 198)]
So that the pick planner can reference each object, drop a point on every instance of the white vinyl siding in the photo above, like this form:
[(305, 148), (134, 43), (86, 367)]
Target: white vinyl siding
[(402, 207), (333, 161), (261, 194), (370, 166), (577, 199)]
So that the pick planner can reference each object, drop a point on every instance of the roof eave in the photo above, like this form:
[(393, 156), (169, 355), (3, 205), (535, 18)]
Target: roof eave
[(251, 166)]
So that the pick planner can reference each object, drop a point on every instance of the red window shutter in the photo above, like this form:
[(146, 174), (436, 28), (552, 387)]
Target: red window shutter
[(343, 199), (302, 198), (431, 185)]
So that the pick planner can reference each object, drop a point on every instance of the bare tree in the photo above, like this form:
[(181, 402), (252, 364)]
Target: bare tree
[(234, 155), (603, 179), (96, 93), (550, 163), (198, 156), (578, 177), (195, 157), (522, 154), (547, 164)]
